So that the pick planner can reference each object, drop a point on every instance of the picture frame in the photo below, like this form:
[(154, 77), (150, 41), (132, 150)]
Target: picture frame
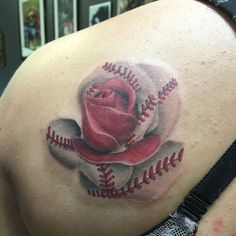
[(121, 6), (32, 25), (126, 5), (99, 12), (65, 17)]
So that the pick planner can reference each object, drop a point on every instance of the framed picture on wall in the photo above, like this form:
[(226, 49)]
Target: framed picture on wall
[(99, 12), (32, 25), (121, 6), (126, 5), (65, 17)]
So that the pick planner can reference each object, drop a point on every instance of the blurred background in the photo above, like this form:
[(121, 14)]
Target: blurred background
[(26, 25)]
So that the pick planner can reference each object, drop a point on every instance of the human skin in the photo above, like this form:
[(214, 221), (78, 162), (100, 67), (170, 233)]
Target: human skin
[(40, 196)]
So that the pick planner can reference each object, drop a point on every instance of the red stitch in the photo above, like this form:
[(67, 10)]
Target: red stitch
[(129, 188), (93, 193), (70, 146), (106, 183), (103, 193), (148, 175), (145, 177), (92, 89), (151, 173), (130, 141), (48, 136), (105, 65), (144, 110), (53, 136), (174, 81), (130, 76), (137, 184), (135, 87), (152, 100), (98, 193), (180, 155), (106, 186), (106, 179), (118, 71), (65, 143), (109, 179), (113, 68), (123, 191), (56, 139), (165, 164), (168, 87), (158, 168), (160, 95), (166, 90), (102, 180), (172, 160), (122, 72), (148, 106), (115, 193), (108, 173), (103, 167)]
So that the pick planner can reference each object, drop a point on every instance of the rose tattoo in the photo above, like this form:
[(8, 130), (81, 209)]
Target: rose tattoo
[(119, 141)]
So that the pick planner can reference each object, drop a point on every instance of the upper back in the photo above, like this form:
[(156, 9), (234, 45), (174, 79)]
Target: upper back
[(115, 123)]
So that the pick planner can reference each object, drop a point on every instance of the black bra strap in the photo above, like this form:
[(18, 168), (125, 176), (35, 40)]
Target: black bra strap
[(211, 186), (228, 6)]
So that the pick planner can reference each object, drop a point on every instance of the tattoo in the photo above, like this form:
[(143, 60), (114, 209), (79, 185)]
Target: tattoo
[(119, 143)]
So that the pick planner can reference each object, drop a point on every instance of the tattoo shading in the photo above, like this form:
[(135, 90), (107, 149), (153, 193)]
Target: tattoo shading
[(119, 143)]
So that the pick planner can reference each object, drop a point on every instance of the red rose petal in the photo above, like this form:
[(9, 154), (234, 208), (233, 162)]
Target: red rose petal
[(121, 103), (95, 135), (122, 88), (108, 119), (109, 100), (135, 154), (118, 124)]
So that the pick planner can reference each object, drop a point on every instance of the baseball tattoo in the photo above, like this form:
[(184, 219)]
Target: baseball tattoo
[(119, 143)]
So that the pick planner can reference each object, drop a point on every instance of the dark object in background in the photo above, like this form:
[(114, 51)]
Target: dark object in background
[(134, 3), (184, 222), (65, 17), (2, 50), (126, 5), (32, 25), (101, 15), (99, 12)]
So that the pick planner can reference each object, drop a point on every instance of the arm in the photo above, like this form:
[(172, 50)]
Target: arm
[(170, 44)]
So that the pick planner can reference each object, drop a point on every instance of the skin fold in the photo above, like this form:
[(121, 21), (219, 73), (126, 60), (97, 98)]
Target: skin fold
[(42, 193)]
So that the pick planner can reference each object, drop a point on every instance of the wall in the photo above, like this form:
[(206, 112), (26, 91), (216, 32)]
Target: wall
[(9, 25)]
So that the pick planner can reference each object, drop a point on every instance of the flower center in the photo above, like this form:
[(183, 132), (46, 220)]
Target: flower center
[(104, 93)]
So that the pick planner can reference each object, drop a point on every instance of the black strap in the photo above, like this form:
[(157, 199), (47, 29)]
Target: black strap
[(211, 186), (228, 6)]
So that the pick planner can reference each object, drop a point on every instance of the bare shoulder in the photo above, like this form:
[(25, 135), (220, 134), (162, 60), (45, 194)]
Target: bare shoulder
[(116, 118), (201, 55)]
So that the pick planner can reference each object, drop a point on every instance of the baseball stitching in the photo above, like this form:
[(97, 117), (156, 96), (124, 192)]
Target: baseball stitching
[(122, 72), (106, 177), (148, 176)]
